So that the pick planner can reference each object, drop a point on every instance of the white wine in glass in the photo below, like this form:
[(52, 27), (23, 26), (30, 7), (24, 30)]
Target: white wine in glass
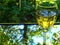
[(46, 22), (46, 16)]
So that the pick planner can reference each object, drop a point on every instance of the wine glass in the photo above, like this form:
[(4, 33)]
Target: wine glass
[(46, 17)]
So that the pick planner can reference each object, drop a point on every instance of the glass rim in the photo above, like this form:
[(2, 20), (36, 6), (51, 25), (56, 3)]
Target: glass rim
[(54, 6), (47, 6)]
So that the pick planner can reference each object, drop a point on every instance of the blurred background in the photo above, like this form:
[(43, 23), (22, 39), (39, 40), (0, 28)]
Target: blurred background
[(21, 11)]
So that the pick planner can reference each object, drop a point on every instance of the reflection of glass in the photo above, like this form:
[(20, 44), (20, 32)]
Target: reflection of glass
[(46, 17)]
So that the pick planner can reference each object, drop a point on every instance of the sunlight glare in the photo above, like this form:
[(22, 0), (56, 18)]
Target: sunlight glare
[(38, 39), (21, 26)]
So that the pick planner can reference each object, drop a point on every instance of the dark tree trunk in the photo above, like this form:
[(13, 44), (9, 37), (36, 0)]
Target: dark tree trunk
[(25, 35), (19, 4)]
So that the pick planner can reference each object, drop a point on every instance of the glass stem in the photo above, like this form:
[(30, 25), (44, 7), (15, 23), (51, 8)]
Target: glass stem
[(44, 38)]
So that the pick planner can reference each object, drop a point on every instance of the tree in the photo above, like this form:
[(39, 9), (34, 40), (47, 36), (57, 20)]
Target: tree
[(19, 11)]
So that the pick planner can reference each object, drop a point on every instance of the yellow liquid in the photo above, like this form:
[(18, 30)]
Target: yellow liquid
[(46, 22)]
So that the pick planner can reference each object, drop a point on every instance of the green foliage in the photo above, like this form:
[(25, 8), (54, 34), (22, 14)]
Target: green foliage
[(38, 44), (11, 13), (8, 10)]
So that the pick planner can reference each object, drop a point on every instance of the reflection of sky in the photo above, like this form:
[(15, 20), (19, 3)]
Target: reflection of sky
[(55, 29), (19, 26), (47, 13), (36, 39), (17, 33), (33, 27), (50, 33)]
